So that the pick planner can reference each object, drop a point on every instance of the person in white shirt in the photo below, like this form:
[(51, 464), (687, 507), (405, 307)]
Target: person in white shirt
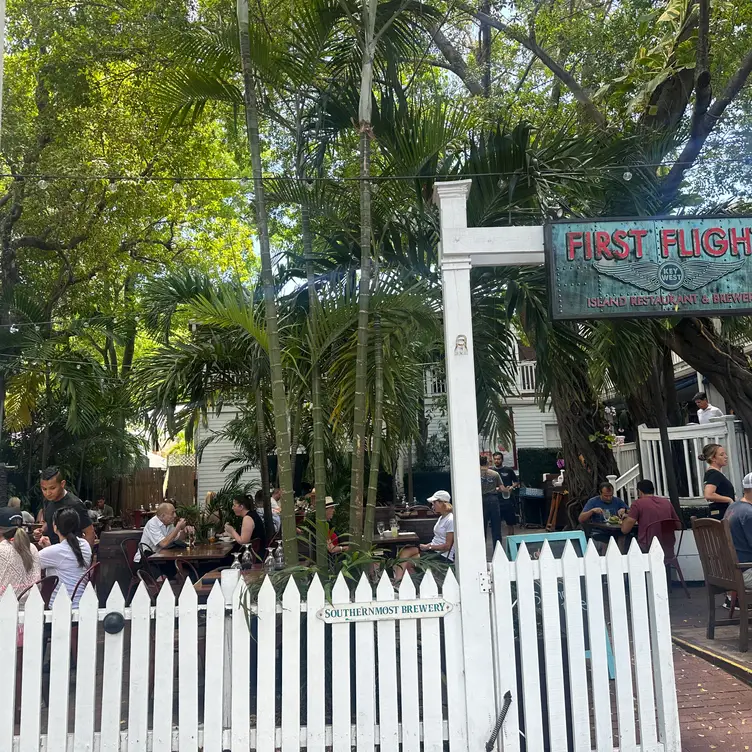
[(442, 542), (160, 531), (705, 411), (68, 559)]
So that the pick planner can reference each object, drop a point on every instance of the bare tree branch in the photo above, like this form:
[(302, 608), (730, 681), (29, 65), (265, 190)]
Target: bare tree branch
[(705, 127), (558, 70), (455, 62)]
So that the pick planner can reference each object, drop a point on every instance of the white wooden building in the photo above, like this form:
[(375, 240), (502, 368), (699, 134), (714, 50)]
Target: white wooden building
[(209, 473)]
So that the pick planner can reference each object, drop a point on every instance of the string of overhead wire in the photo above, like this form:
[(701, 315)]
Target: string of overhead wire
[(114, 179)]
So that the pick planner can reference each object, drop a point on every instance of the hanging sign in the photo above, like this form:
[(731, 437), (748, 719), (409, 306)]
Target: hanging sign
[(382, 610), (672, 266)]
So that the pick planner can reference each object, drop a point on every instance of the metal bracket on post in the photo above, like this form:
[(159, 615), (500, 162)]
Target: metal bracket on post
[(484, 580)]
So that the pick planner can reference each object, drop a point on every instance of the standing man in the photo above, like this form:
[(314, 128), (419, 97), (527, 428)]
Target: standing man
[(56, 496), (490, 485), (507, 492), (739, 516), (705, 411)]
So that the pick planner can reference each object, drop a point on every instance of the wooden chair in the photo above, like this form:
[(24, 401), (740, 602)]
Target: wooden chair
[(723, 573), (90, 575), (664, 531)]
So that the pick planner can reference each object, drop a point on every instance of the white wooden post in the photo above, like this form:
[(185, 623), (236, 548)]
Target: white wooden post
[(463, 436), (736, 471)]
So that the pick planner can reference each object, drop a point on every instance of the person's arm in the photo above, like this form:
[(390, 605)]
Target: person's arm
[(588, 512), (438, 547), (627, 524), (176, 532), (711, 495), (246, 530)]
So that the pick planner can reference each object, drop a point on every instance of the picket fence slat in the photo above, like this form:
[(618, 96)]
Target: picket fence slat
[(164, 659), (641, 644), (549, 590), (387, 664), (365, 673), (241, 667), (140, 656), (598, 656), (291, 667), (341, 730), (409, 686), (213, 681), (316, 673), (112, 678), (266, 681), (620, 640), (663, 657), (8, 632), (60, 647), (86, 671), (455, 672), (504, 648), (578, 688), (430, 660), (31, 685), (188, 671), (528, 637)]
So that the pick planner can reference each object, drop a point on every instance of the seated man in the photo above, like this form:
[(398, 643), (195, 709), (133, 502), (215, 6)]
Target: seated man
[(161, 531), (603, 506), (649, 511), (102, 508), (739, 516)]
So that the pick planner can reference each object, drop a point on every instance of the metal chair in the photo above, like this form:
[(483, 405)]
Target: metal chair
[(90, 575), (723, 573), (129, 549), (152, 586), (664, 531), (185, 571)]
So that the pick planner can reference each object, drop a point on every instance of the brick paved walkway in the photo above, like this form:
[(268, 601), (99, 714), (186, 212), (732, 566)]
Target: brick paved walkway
[(715, 708)]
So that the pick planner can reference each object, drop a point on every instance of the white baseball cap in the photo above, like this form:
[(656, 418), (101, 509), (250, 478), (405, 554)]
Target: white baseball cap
[(747, 482), (441, 496)]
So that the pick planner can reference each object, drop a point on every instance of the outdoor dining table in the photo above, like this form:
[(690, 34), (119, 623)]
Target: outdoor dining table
[(395, 542), (614, 531), (200, 552), (204, 586)]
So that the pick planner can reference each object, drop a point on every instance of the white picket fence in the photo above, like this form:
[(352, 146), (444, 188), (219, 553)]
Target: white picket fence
[(272, 675)]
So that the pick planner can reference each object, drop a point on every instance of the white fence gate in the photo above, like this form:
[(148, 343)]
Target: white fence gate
[(272, 674)]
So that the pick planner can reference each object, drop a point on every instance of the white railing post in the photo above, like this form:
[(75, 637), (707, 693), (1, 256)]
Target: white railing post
[(463, 436), (735, 459)]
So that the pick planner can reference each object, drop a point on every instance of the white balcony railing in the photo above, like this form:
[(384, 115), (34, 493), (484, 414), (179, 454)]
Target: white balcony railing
[(435, 380)]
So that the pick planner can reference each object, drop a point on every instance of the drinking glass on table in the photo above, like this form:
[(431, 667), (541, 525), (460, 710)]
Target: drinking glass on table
[(247, 557), (211, 535), (236, 564), (394, 527), (380, 528)]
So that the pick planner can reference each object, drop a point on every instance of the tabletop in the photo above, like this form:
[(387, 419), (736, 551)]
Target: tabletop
[(607, 527), (200, 552)]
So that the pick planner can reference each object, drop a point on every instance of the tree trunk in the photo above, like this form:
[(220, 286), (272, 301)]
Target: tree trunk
[(279, 398), (264, 462), (724, 365), (364, 286), (317, 412), (410, 491), (579, 416), (673, 413), (378, 419)]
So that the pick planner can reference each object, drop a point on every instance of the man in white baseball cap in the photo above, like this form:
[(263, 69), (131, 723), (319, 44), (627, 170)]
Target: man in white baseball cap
[(739, 516), (440, 496)]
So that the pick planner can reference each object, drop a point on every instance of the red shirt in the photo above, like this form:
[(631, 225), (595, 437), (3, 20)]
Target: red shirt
[(649, 511)]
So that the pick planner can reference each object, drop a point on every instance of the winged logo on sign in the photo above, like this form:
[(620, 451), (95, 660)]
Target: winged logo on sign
[(669, 275)]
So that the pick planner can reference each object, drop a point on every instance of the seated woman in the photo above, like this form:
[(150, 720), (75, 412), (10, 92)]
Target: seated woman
[(19, 562), (443, 538), (251, 526), (68, 559)]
